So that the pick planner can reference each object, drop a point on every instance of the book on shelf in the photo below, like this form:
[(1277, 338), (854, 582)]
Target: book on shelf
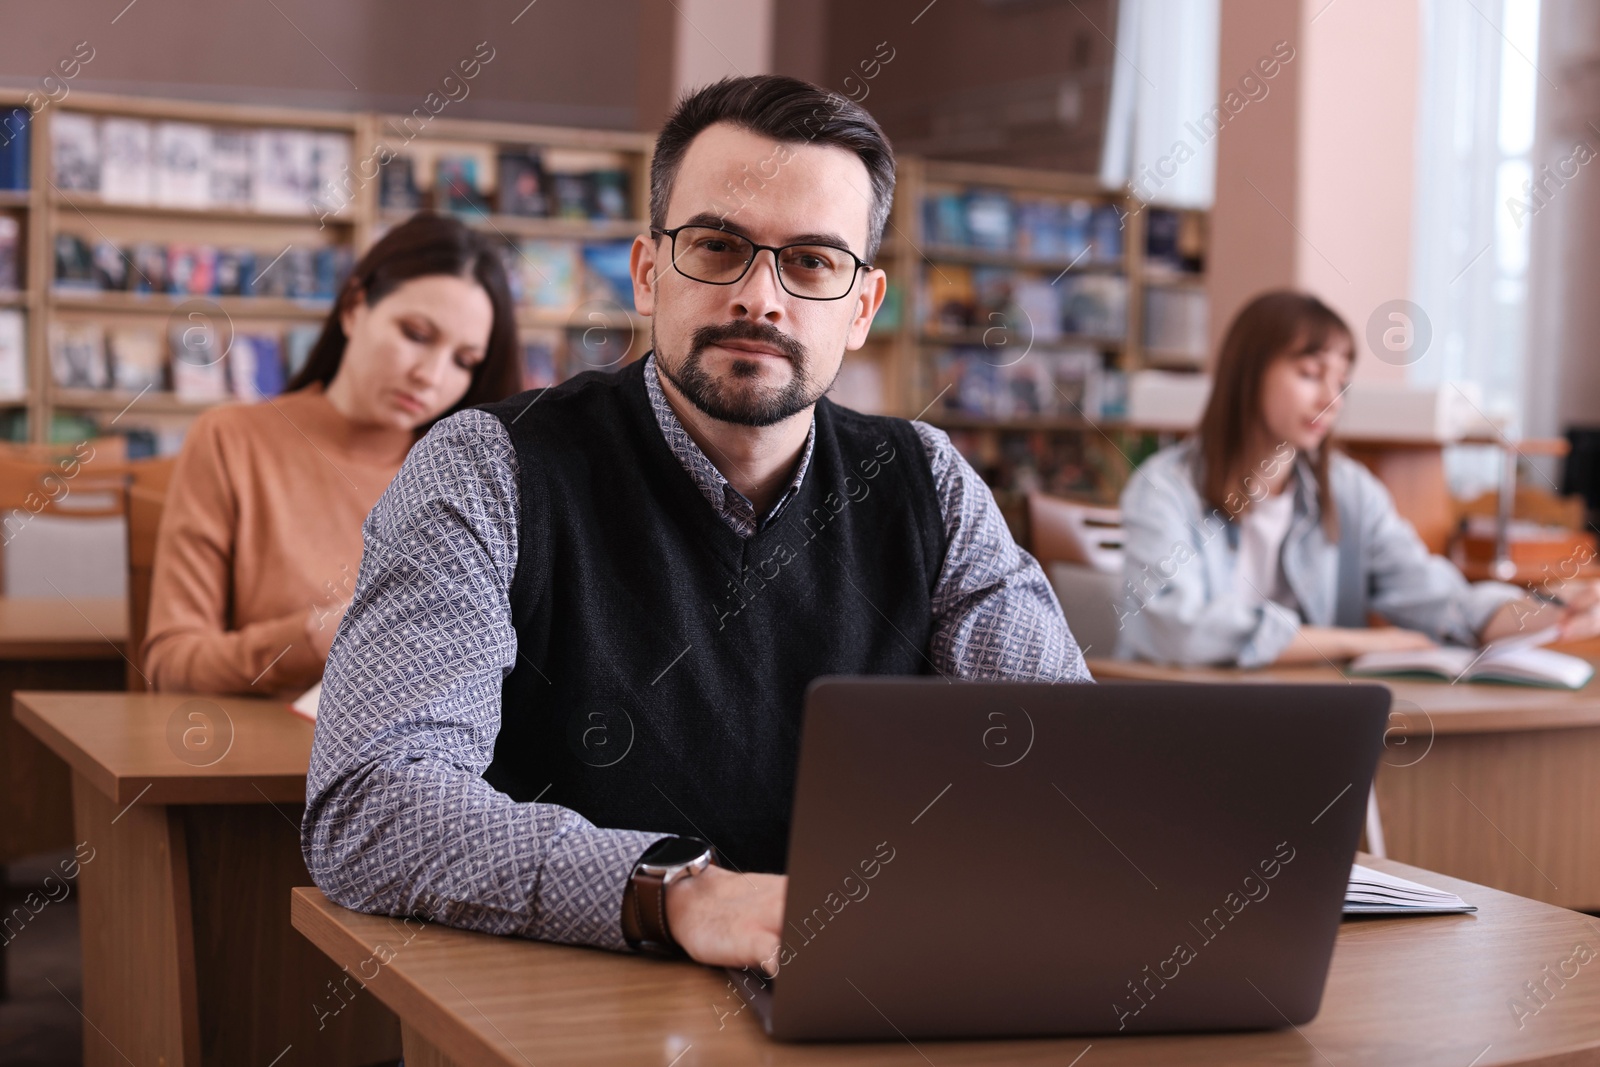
[(521, 183), (549, 270), (74, 262), (1517, 660), (609, 278), (891, 311), (182, 164), (10, 253), (539, 351), (1094, 305), (456, 185), (75, 151), (610, 200), (199, 371), (111, 266), (78, 355), (255, 366), (397, 185), (138, 356), (995, 384), (13, 354), (332, 183), (197, 269), (298, 340), (16, 136), (127, 168), (285, 171), (148, 261), (1176, 321), (232, 158), (989, 221)]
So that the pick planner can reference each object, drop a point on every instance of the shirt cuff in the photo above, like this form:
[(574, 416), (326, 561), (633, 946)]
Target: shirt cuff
[(1482, 601), (579, 897), (1271, 636)]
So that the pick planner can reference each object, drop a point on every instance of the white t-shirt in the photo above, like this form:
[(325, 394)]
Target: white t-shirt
[(1258, 570)]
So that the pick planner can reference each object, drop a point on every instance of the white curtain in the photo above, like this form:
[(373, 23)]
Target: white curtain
[(1160, 129), (1475, 135)]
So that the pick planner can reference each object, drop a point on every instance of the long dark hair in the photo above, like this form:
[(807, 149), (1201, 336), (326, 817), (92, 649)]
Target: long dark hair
[(427, 244), (1276, 325)]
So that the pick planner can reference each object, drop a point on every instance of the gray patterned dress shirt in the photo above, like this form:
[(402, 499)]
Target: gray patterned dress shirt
[(398, 818)]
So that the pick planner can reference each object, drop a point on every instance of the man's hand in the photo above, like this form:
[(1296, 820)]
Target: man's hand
[(728, 919)]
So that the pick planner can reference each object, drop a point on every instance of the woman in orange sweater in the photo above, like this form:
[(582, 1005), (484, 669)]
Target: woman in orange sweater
[(260, 539)]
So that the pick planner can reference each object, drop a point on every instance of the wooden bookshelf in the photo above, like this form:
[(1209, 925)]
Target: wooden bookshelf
[(594, 306), (1106, 441), (896, 360), (93, 218)]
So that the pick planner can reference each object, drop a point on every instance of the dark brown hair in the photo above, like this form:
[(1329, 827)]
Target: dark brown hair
[(1279, 324), (422, 245), (789, 111)]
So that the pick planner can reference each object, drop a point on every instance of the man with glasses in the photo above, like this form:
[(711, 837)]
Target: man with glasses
[(565, 700)]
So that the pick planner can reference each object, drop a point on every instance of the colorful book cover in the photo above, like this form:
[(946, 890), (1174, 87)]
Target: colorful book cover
[(608, 263), (521, 184), (455, 185), (539, 353), (111, 269), (255, 366), (74, 263), (549, 274)]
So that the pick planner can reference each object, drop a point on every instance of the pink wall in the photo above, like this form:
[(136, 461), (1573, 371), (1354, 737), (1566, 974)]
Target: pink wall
[(1315, 180)]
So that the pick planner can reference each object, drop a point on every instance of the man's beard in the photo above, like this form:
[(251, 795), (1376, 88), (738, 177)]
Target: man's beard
[(752, 405)]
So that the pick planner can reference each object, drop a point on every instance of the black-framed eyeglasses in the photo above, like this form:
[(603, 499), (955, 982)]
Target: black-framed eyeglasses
[(721, 257)]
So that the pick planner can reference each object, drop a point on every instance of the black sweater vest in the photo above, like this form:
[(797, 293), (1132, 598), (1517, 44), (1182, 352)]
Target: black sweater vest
[(662, 660)]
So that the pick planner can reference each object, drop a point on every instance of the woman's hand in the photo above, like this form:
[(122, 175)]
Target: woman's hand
[(1580, 618), (1321, 644)]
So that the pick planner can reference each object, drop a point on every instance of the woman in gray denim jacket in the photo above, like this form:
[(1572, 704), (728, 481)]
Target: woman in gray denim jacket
[(1194, 513)]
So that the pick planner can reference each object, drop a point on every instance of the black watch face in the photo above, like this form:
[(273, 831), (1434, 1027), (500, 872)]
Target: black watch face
[(672, 851)]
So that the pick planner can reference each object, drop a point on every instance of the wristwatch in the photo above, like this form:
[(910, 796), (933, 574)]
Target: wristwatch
[(644, 901)]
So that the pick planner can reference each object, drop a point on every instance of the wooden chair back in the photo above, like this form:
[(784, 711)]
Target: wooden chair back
[(144, 507), (1061, 530)]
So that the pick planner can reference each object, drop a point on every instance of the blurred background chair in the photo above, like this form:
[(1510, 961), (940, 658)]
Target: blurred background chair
[(62, 516), (1080, 548)]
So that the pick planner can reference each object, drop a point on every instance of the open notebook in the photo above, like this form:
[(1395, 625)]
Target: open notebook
[(1519, 660), (1372, 892)]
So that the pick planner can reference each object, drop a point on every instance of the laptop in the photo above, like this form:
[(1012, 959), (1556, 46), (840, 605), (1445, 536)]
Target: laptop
[(998, 859)]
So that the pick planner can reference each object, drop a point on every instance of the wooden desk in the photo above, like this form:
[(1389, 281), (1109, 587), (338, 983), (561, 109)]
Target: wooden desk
[(48, 644), (1416, 992), (191, 807), (1498, 784)]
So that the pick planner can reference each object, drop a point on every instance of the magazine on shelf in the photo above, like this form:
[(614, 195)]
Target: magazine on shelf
[(182, 164), (13, 354), (232, 160), (138, 357), (127, 163), (75, 151), (78, 355)]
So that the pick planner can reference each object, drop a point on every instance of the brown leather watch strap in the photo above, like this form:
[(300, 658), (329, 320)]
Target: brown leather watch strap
[(644, 909)]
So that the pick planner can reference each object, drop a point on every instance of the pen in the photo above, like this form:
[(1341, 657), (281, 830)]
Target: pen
[(1547, 598)]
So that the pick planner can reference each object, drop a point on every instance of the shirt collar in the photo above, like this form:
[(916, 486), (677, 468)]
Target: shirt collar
[(728, 502)]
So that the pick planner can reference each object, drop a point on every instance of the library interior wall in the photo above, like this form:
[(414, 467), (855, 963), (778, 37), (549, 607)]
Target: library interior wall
[(559, 63)]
